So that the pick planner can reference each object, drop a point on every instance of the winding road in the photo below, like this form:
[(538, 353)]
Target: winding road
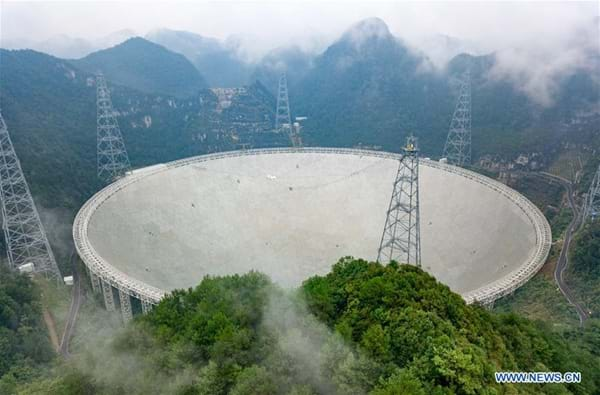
[(563, 259)]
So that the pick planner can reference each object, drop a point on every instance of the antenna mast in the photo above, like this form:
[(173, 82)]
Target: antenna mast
[(113, 161), (401, 239), (458, 144), (26, 241)]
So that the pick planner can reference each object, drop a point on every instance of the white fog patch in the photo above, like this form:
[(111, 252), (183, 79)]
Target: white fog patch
[(538, 71)]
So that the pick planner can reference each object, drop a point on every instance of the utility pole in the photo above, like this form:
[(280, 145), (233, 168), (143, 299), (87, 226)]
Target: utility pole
[(113, 161), (457, 149), (26, 242), (401, 239)]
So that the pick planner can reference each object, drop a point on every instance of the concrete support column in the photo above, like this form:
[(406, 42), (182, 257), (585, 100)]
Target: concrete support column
[(109, 300), (125, 306), (146, 306), (95, 282)]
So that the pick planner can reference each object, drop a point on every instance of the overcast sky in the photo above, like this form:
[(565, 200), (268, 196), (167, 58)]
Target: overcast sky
[(490, 24), (538, 44)]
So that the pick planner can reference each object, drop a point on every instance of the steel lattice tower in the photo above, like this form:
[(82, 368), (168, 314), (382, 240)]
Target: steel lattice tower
[(592, 204), (113, 161), (283, 120), (295, 136), (458, 144), (401, 239), (26, 240)]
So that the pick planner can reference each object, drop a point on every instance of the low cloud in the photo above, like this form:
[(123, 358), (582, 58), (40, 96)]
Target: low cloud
[(539, 71), (536, 44)]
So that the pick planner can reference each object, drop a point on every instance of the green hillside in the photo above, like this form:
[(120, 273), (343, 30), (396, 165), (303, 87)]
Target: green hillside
[(584, 272), (363, 328), (370, 88), (146, 67), (24, 344), (49, 106), (217, 62), (370, 91)]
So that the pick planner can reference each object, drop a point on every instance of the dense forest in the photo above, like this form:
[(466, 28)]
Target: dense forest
[(146, 67), (24, 344), (362, 328)]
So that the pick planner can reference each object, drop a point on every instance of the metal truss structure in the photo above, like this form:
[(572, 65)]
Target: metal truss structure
[(592, 202), (113, 161), (283, 119), (26, 240), (457, 149), (125, 303), (401, 239)]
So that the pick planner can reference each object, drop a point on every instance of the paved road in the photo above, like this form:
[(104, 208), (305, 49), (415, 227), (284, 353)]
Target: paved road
[(563, 259), (75, 304)]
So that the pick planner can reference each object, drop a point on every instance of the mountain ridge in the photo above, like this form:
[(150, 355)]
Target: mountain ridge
[(145, 66), (219, 63)]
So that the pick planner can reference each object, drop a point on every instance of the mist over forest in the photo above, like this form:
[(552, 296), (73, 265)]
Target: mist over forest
[(253, 133)]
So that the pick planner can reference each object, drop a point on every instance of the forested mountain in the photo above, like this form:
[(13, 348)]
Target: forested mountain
[(218, 63), (367, 88), (49, 109), (370, 88), (293, 60), (24, 344), (49, 106), (67, 47), (506, 121), (364, 328), (145, 66)]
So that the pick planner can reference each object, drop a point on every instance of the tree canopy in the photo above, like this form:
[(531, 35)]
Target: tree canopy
[(364, 328)]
